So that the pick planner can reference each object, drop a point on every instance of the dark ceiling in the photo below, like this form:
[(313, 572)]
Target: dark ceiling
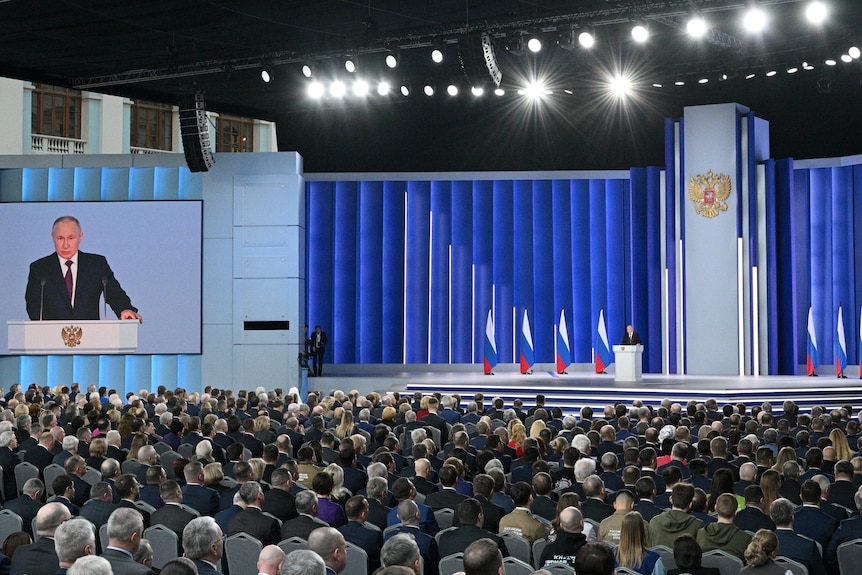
[(159, 49)]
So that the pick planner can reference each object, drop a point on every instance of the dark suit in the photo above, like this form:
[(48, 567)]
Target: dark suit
[(841, 492), (317, 346), (369, 539), (202, 499), (544, 507), (173, 517), (130, 505), (97, 512), (38, 558), (26, 509), (596, 510), (424, 486), (633, 338), (252, 521), (377, 514), (752, 519), (647, 509), (150, 494), (40, 457), (92, 270), (281, 504), (814, 523), (8, 461), (223, 517), (204, 568), (301, 527), (427, 547), (444, 499), (457, 540), (800, 549)]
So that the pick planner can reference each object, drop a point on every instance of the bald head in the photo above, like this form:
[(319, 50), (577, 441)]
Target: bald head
[(270, 559), (423, 467), (49, 517), (571, 520)]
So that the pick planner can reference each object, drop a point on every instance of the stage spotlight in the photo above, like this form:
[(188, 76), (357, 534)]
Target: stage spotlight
[(266, 75), (337, 89), (534, 44), (771, 73), (830, 62), (854, 52), (350, 65), (656, 85), (703, 81), (477, 91), (437, 55), (754, 20), (696, 27), (535, 90), (429, 90), (679, 83), (360, 88), (383, 88), (306, 70), (792, 69), (846, 58), (621, 86), (816, 12), (586, 39), (807, 67), (315, 90), (405, 90), (750, 76), (640, 33), (499, 92), (452, 90), (391, 60)]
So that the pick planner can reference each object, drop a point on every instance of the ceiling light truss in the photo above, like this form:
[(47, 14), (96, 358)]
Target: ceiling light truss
[(668, 12)]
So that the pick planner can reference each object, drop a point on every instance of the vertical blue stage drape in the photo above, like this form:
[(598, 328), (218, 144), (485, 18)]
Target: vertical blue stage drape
[(388, 295)]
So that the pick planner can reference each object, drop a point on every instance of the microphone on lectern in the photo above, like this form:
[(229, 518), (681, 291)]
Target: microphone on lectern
[(105, 294), (41, 297)]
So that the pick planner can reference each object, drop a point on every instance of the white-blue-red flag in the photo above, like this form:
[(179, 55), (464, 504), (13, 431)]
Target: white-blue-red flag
[(603, 350), (812, 344), (564, 352), (490, 345), (840, 346), (527, 354)]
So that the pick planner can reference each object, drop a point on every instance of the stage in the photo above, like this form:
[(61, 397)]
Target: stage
[(576, 389)]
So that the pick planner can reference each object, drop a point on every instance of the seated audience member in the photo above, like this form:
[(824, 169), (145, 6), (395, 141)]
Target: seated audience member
[(790, 544), (688, 556), (753, 517), (595, 559), (402, 551), (521, 520), (665, 528), (40, 558), (482, 557), (724, 534), (356, 532), (760, 555), (470, 528), (570, 538)]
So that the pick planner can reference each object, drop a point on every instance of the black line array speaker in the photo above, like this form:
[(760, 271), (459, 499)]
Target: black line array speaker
[(194, 129)]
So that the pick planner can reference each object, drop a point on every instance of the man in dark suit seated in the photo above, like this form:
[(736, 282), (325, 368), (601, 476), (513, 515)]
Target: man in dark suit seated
[(810, 520), (646, 506), (41, 455), (753, 517), (790, 486), (173, 514), (40, 558), (790, 544), (196, 495), (447, 497), (28, 504), (8, 461), (841, 493), (64, 491), (125, 529), (100, 506), (848, 530), (251, 520), (594, 506), (471, 528), (408, 515), (362, 534), (73, 539), (127, 487), (279, 501), (330, 545), (306, 521), (203, 543), (377, 492), (150, 492), (543, 505)]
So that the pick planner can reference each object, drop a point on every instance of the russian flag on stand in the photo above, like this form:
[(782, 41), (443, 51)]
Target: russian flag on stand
[(603, 350), (527, 357), (564, 352), (812, 344), (490, 346), (841, 346)]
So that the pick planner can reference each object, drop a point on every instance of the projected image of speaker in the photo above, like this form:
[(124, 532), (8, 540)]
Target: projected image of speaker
[(195, 132)]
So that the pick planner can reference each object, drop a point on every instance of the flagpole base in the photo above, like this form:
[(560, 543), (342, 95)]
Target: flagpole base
[(842, 376), (813, 375)]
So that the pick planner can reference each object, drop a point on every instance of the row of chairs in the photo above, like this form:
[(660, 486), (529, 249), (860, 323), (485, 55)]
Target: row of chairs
[(26, 470)]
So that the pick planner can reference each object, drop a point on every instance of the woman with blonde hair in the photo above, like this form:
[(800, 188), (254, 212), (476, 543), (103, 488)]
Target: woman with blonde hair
[(359, 445), (632, 551), (760, 553), (138, 441), (785, 454), (213, 475), (339, 493), (536, 428), (770, 483), (258, 466), (839, 442), (346, 428), (517, 435), (263, 429), (98, 449)]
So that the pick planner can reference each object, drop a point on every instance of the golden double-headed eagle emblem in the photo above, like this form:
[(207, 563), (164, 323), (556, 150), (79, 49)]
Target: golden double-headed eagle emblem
[(709, 192), (71, 335)]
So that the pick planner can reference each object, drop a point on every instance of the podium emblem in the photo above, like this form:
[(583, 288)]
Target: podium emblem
[(71, 335), (709, 192)]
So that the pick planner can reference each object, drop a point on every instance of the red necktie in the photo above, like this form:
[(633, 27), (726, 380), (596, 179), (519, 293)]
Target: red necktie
[(68, 278)]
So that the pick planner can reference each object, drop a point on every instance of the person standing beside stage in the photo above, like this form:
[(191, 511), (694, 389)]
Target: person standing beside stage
[(318, 349), (68, 284), (631, 337)]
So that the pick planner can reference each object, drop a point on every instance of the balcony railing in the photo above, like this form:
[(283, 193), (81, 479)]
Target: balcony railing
[(56, 145), (140, 150)]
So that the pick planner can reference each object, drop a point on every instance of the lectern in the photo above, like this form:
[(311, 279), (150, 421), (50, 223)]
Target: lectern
[(66, 337), (629, 363)]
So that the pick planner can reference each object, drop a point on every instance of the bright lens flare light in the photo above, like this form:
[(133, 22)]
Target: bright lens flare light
[(383, 88), (315, 90), (640, 33), (854, 52), (696, 27), (360, 88), (535, 45), (816, 12), (534, 90), (337, 89), (621, 86), (586, 39), (436, 55), (477, 90), (754, 20)]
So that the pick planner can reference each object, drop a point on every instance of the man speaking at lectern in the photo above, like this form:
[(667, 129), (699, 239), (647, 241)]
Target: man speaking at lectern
[(68, 283), (631, 337)]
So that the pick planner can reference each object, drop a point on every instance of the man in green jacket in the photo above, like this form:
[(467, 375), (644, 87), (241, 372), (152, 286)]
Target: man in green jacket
[(666, 527), (724, 534)]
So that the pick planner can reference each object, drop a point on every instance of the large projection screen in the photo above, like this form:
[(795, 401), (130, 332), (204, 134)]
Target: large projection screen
[(153, 248)]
